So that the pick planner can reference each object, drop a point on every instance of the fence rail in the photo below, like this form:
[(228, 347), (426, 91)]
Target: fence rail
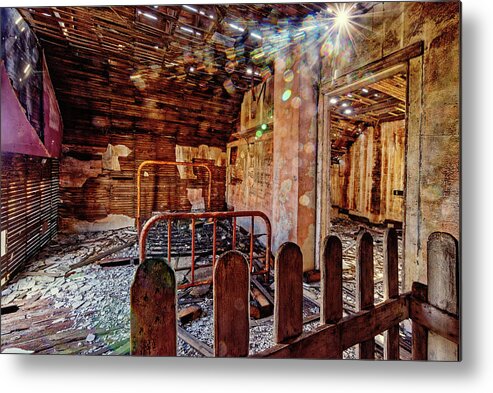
[(335, 332)]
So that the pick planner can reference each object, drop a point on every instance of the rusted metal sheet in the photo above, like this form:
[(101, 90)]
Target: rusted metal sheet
[(21, 54)]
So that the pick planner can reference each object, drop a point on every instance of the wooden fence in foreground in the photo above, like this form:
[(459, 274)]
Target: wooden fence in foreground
[(432, 309)]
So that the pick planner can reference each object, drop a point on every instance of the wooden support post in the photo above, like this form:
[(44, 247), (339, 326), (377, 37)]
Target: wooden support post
[(391, 289), (288, 307), (420, 333), (153, 310), (442, 290), (231, 305), (331, 282), (365, 288)]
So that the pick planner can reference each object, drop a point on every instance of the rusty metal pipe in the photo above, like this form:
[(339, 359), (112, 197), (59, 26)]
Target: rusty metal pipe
[(252, 229), (193, 250), (214, 240), (234, 233)]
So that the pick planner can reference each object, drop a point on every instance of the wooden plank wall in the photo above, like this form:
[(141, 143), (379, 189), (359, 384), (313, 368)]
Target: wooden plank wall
[(106, 192), (364, 181), (29, 208)]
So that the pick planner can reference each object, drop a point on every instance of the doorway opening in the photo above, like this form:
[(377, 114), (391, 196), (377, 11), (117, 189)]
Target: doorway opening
[(367, 126)]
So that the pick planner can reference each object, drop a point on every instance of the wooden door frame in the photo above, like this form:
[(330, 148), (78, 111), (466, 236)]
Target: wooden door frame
[(372, 72)]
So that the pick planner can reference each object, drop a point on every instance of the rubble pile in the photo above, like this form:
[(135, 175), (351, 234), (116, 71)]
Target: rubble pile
[(68, 300)]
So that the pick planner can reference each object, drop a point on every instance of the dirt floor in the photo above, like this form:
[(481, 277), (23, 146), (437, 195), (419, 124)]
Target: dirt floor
[(51, 308)]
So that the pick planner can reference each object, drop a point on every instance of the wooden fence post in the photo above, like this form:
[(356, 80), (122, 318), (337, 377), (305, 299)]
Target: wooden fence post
[(442, 290), (420, 333), (365, 288), (231, 305), (288, 305), (391, 289), (331, 282), (153, 310)]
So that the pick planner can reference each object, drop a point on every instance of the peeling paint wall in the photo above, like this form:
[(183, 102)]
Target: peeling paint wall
[(189, 153), (249, 176), (98, 185), (258, 108), (307, 153), (295, 146), (75, 173), (276, 173), (433, 140), (111, 155)]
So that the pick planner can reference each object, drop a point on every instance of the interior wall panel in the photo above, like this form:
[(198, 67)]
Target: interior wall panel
[(29, 211)]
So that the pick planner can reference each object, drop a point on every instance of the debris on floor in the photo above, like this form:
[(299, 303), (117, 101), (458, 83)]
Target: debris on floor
[(45, 310)]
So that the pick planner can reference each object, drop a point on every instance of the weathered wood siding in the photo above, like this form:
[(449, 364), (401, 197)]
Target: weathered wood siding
[(369, 178), (91, 192), (29, 208)]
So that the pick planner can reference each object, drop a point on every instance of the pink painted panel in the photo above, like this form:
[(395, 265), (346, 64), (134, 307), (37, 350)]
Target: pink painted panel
[(18, 136), (53, 126)]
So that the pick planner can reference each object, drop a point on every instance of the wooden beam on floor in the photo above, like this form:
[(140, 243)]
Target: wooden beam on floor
[(195, 343)]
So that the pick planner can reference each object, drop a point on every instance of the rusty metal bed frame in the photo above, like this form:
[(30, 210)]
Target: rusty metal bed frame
[(169, 217)]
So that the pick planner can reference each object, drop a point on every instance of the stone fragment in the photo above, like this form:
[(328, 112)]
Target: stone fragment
[(78, 304), (189, 313), (6, 292), (17, 350), (9, 298), (90, 337), (44, 279), (25, 283), (200, 291)]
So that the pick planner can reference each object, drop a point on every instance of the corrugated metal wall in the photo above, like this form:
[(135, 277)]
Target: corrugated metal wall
[(29, 211)]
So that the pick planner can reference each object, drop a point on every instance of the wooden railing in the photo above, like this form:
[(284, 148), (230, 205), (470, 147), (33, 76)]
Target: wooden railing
[(153, 305)]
